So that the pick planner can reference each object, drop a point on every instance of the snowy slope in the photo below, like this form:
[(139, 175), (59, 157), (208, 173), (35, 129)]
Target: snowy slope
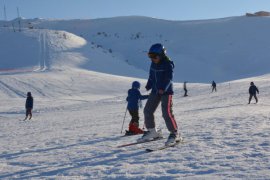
[(36, 59), (221, 49), (76, 138), (34, 48), (41, 50)]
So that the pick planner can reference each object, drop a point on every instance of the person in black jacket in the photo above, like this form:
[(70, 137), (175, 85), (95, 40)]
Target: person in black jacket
[(214, 86), (29, 105), (253, 90)]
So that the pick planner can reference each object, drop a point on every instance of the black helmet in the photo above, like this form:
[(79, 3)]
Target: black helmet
[(29, 94), (136, 85)]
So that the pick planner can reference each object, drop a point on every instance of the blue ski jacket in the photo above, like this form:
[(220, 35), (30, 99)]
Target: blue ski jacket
[(133, 98), (29, 103), (161, 77)]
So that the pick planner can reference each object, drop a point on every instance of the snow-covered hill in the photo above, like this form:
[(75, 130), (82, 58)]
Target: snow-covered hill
[(79, 72), (221, 49), (39, 50), (40, 58), (36, 49)]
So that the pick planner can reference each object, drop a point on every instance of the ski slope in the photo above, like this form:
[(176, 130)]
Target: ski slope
[(80, 89), (56, 50), (76, 137)]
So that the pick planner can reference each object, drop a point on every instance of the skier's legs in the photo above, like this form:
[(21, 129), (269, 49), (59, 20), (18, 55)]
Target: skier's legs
[(134, 116), (250, 97), (30, 113), (149, 109), (256, 98), (185, 92), (26, 114), (134, 123), (167, 112)]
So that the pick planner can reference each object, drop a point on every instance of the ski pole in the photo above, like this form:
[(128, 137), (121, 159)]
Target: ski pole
[(124, 121)]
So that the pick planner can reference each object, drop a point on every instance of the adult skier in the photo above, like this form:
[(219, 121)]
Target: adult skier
[(29, 105), (134, 99), (253, 90), (160, 81), (214, 86)]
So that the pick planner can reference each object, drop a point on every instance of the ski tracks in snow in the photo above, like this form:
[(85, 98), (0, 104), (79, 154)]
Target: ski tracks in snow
[(10, 90), (43, 54)]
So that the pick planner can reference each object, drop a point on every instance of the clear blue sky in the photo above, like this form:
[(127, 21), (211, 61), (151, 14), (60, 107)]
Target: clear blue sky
[(164, 9)]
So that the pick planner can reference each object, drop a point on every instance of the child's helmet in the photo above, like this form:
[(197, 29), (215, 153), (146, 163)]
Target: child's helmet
[(136, 85), (252, 83), (157, 49), (29, 94)]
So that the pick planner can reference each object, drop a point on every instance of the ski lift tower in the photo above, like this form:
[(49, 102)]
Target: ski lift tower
[(5, 16), (19, 19)]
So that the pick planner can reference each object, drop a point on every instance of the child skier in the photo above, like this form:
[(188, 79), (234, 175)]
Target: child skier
[(29, 105), (160, 81), (253, 90), (134, 98)]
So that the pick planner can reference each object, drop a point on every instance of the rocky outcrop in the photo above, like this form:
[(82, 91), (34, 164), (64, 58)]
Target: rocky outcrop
[(260, 13)]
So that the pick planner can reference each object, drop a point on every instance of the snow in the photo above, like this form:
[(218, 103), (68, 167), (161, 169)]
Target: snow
[(80, 89)]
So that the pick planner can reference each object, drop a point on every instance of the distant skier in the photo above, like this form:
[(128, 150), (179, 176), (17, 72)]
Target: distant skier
[(160, 81), (214, 86), (134, 99), (185, 88), (253, 90), (29, 105)]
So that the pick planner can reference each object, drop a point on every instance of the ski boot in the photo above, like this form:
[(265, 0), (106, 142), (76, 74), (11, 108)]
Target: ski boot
[(134, 129), (150, 135), (173, 138)]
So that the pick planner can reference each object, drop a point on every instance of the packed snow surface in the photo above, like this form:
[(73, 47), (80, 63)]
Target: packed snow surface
[(79, 81)]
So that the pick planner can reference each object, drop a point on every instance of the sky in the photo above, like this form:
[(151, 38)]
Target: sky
[(162, 9)]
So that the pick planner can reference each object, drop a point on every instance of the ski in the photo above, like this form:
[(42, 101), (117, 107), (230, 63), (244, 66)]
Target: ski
[(163, 147), (128, 134), (135, 143)]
